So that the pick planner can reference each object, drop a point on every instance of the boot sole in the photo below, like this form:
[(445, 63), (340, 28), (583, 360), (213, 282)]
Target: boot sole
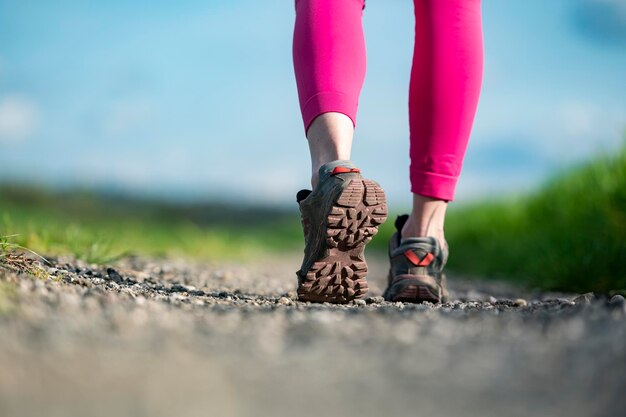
[(416, 290), (352, 221)]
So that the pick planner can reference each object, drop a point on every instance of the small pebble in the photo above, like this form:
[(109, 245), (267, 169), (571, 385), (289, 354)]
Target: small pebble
[(617, 300), (359, 302), (178, 288), (493, 299), (520, 302), (584, 299), (284, 301), (114, 275), (374, 300)]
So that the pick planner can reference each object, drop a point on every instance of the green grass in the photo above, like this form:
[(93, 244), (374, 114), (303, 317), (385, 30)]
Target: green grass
[(100, 229), (568, 235)]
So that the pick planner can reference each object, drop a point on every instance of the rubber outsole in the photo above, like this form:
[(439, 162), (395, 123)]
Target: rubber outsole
[(352, 221), (416, 291)]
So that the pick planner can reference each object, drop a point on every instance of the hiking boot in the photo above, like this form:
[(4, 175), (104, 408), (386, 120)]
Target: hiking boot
[(339, 217), (415, 274)]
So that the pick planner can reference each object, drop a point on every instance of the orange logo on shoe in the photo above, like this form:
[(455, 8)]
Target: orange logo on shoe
[(343, 170), (415, 260)]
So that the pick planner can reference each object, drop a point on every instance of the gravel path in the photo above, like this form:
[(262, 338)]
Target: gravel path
[(174, 338)]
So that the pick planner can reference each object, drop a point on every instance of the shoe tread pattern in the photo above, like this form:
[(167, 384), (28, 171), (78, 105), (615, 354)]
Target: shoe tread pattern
[(352, 221)]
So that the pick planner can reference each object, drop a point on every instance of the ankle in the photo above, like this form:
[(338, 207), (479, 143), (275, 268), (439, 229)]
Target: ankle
[(314, 178), (426, 219), (329, 138), (413, 228)]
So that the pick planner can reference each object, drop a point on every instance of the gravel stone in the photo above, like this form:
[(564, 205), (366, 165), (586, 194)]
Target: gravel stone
[(112, 274), (156, 337), (584, 299), (520, 302), (374, 300), (617, 300), (284, 301)]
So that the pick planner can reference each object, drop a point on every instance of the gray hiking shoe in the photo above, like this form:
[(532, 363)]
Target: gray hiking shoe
[(339, 217), (415, 274)]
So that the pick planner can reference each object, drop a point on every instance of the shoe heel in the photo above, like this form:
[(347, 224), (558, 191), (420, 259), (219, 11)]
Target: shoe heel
[(418, 294), (354, 219)]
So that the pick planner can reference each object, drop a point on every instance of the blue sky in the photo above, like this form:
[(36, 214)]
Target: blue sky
[(197, 99)]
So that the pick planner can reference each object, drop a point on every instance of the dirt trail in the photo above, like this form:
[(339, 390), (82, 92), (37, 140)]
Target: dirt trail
[(174, 338)]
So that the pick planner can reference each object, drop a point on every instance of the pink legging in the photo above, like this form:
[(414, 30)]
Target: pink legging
[(446, 75)]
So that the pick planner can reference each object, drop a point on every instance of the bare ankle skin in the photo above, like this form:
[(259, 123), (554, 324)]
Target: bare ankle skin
[(426, 219), (330, 138)]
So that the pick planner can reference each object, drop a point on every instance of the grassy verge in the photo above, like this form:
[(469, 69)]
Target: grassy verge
[(100, 229), (568, 235)]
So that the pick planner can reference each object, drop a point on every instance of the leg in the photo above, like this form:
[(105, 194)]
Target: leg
[(344, 209), (329, 63), (426, 219), (443, 95), (330, 139)]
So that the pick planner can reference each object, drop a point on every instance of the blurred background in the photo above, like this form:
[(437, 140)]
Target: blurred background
[(164, 127)]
